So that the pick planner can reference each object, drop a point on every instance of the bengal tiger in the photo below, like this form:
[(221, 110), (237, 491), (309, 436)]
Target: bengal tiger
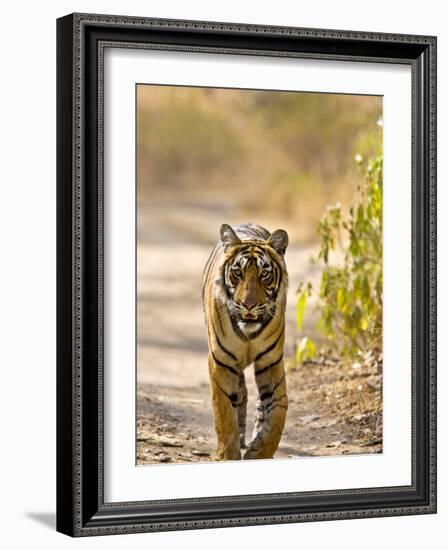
[(244, 296)]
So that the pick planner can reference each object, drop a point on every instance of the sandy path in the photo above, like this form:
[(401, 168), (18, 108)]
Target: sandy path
[(174, 418), (333, 409)]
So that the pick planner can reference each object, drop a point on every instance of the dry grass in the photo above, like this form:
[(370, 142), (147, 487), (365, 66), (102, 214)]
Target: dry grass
[(284, 155)]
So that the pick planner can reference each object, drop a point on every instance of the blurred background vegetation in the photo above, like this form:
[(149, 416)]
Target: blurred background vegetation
[(280, 155)]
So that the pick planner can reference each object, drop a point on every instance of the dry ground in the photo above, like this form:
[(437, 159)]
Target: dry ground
[(333, 409)]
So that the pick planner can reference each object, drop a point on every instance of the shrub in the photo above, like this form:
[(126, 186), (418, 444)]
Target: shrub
[(350, 295)]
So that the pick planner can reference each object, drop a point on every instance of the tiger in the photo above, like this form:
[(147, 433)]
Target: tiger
[(244, 290)]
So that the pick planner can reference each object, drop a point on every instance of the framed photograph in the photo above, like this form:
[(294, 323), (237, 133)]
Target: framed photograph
[(246, 274)]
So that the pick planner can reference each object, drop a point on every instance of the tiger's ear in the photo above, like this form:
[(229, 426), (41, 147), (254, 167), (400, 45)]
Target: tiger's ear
[(228, 235), (279, 241)]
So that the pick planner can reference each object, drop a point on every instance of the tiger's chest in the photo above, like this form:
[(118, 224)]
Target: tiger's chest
[(246, 350)]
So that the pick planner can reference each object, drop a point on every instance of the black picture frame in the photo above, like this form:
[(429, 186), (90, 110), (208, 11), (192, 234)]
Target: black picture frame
[(81, 510)]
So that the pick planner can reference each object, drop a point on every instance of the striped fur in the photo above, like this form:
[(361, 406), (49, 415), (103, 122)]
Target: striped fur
[(244, 297)]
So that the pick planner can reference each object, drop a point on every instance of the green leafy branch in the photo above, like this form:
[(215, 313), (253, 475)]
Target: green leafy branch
[(350, 294)]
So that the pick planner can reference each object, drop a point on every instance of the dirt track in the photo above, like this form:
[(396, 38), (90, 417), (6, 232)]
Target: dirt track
[(334, 409)]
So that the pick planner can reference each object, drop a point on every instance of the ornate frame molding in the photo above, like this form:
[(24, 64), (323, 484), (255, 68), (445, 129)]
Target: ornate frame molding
[(81, 42)]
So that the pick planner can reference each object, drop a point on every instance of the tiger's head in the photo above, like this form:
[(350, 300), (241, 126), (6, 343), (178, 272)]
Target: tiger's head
[(254, 278)]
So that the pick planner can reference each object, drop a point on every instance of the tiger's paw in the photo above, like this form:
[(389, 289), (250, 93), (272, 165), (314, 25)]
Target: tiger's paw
[(228, 455), (252, 454)]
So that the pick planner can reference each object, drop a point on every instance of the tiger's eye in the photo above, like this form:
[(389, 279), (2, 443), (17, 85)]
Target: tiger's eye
[(238, 272), (264, 273)]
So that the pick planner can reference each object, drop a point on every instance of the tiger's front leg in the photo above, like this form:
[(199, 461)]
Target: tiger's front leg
[(242, 411), (271, 410), (228, 400)]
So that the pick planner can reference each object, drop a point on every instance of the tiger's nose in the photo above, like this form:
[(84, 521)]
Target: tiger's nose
[(249, 305)]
